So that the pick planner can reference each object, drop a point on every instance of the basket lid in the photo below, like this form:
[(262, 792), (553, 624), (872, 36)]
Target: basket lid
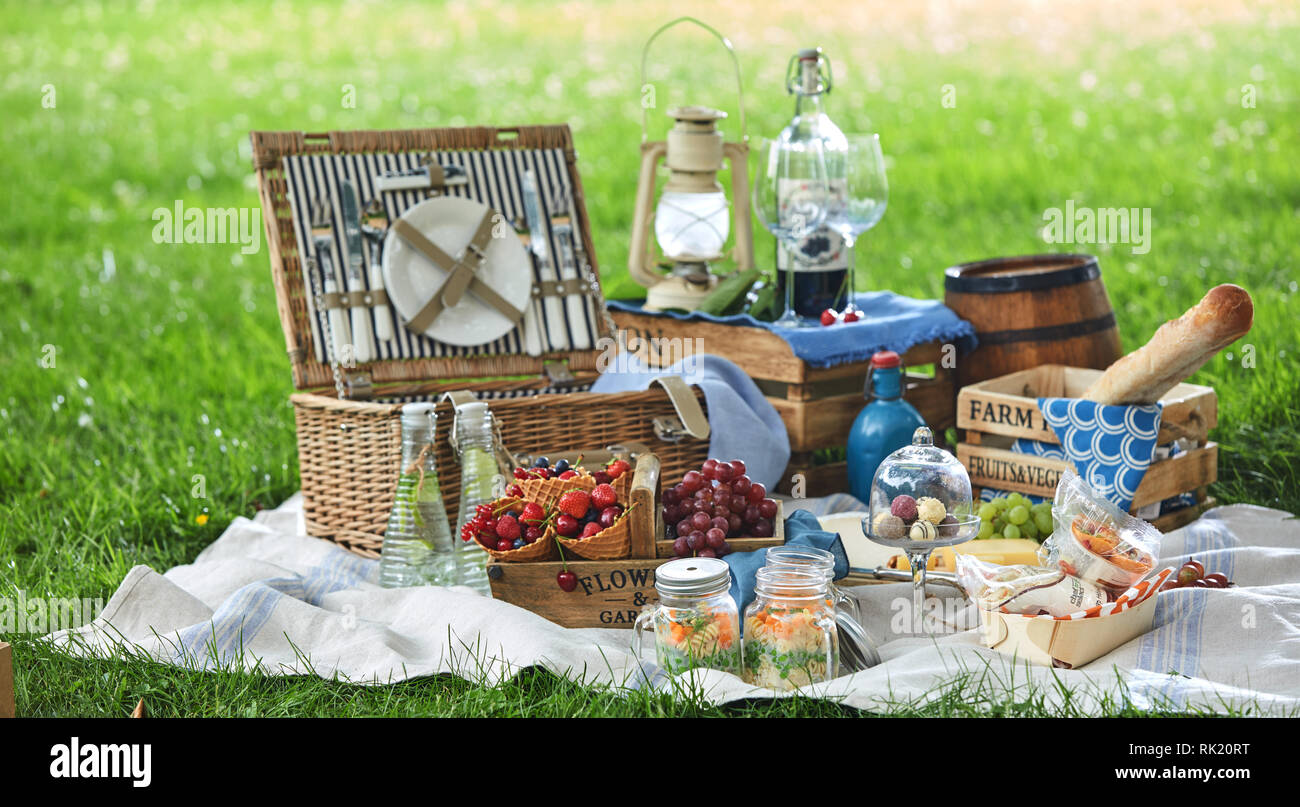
[(291, 205)]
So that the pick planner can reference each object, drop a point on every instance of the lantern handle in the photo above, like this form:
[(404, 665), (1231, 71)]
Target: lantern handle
[(740, 85)]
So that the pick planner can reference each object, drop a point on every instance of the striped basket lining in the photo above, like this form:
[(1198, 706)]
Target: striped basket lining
[(495, 179)]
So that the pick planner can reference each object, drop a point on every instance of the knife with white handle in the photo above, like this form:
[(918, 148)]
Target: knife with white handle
[(363, 337), (556, 337), (562, 225)]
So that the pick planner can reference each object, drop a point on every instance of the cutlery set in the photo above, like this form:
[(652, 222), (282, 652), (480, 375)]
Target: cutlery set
[(561, 312)]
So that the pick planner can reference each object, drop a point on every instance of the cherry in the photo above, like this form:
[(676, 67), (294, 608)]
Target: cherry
[(829, 316), (567, 580), (852, 316), (566, 525), (505, 545)]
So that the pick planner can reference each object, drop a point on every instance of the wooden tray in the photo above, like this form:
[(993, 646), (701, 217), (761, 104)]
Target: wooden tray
[(1070, 643), (817, 405), (610, 593)]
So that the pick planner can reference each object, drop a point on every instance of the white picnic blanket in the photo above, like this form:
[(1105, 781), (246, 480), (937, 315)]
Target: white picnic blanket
[(265, 597)]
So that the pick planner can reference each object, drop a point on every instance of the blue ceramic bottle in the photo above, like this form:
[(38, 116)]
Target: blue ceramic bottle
[(884, 425)]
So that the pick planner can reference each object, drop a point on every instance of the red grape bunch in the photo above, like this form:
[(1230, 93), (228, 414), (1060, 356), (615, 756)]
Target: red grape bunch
[(717, 502)]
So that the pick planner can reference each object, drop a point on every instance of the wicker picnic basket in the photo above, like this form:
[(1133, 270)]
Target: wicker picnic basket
[(348, 421)]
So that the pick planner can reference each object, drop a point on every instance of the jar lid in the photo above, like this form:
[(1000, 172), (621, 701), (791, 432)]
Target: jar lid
[(856, 647), (685, 576)]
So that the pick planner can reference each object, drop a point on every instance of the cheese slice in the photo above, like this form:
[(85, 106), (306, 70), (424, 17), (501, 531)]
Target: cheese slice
[(998, 551)]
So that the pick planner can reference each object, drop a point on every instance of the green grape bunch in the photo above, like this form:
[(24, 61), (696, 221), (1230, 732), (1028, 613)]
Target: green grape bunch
[(1014, 516)]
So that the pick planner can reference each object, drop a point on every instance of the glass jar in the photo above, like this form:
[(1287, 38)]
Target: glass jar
[(798, 556), (695, 622), (790, 635)]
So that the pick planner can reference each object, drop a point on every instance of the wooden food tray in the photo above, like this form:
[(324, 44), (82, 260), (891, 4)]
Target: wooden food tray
[(610, 593), (817, 405), (996, 412)]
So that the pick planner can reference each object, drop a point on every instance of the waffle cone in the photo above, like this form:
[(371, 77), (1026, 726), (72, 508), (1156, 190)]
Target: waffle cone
[(541, 549), (608, 544), (547, 492), (623, 487)]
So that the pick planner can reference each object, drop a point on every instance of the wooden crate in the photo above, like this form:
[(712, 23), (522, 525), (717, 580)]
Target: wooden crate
[(817, 405), (610, 593), (994, 413), (7, 705)]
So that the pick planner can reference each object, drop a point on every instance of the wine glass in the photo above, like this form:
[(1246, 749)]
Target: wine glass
[(858, 198), (790, 196)]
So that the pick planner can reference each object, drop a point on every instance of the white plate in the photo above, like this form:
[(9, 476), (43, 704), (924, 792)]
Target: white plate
[(411, 279), (863, 552)]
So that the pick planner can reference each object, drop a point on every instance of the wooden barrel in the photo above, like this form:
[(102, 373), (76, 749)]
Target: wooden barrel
[(1032, 310)]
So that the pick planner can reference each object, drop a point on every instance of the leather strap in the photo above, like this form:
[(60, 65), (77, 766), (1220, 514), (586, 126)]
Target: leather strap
[(693, 422), (474, 250), (351, 299), (470, 261), (561, 288)]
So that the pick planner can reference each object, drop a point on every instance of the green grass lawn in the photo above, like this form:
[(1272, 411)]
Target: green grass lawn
[(120, 381)]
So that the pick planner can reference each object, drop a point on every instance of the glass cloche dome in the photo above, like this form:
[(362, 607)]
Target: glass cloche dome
[(920, 500)]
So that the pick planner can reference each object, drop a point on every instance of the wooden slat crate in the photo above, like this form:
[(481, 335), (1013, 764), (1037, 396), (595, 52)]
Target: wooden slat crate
[(610, 593), (7, 706), (817, 405), (994, 413)]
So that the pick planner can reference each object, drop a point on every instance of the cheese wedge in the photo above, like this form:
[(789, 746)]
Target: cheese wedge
[(999, 551)]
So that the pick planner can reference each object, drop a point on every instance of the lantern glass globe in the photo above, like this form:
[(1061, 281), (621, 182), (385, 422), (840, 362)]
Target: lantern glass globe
[(692, 226)]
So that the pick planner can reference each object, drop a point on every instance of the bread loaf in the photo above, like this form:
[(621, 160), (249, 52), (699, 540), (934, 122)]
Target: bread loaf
[(1178, 349)]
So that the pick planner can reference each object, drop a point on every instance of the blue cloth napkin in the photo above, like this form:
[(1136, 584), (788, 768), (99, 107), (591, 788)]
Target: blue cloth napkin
[(743, 425), (801, 527), (892, 322)]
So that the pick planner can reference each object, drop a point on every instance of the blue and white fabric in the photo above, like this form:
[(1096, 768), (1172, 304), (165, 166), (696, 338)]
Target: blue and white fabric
[(275, 601)]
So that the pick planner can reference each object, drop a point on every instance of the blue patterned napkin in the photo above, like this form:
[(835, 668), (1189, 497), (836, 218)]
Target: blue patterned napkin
[(1111, 447)]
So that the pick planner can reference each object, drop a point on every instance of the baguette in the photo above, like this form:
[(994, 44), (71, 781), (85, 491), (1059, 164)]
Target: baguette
[(1178, 349)]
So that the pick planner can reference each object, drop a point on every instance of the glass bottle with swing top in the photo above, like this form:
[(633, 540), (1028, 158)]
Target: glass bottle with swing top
[(418, 548)]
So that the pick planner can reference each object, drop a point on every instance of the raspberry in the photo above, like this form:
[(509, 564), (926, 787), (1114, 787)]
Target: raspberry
[(576, 503), (507, 528)]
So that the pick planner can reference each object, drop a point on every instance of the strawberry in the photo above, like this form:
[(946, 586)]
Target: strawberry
[(532, 514), (617, 468), (575, 503), (507, 528), (591, 529), (603, 496), (568, 474)]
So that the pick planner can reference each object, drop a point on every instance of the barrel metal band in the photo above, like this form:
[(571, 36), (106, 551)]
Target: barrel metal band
[(1048, 333)]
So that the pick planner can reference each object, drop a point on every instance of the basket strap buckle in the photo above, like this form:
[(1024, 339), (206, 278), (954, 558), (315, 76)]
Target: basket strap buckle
[(460, 277), (691, 419)]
